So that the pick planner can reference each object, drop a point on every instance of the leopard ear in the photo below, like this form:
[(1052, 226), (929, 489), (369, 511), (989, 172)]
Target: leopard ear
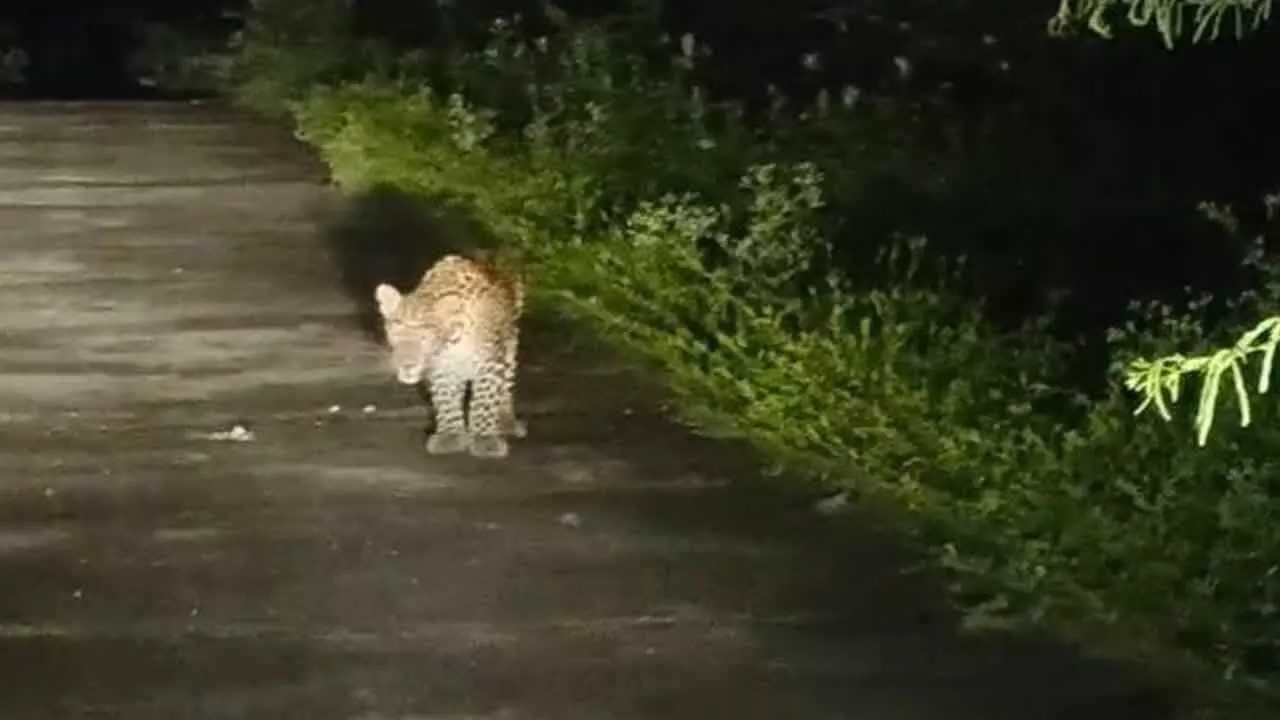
[(388, 299)]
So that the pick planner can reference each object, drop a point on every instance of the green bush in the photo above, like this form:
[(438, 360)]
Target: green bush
[(704, 243)]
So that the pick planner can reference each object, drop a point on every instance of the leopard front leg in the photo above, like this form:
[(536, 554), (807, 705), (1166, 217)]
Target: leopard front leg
[(487, 412), (508, 422), (449, 433)]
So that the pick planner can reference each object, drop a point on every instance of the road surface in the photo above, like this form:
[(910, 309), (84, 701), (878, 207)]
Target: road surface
[(171, 272)]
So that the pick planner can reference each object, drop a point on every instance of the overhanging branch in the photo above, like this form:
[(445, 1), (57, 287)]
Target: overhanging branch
[(1173, 19)]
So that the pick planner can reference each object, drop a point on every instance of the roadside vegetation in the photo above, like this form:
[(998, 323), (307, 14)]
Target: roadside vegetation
[(743, 249)]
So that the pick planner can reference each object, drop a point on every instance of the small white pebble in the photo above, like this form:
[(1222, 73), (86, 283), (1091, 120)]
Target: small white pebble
[(79, 593), (369, 409), (571, 519), (237, 433), (241, 434), (335, 409)]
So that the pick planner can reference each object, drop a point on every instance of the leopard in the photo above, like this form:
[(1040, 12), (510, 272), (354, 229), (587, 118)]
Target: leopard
[(459, 328)]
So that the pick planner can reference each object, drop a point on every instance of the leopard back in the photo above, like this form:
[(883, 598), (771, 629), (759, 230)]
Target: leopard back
[(459, 316)]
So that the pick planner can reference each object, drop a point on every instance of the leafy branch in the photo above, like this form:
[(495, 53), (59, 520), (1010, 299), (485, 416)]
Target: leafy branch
[(1169, 17), (1155, 379)]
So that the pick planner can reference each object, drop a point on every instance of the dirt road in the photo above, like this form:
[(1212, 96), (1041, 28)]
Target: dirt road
[(168, 273)]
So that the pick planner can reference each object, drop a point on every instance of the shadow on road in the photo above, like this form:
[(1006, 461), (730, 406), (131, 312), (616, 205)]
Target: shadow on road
[(384, 235)]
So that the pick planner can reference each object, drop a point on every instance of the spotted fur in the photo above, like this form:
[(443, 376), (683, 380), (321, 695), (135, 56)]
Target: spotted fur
[(460, 326)]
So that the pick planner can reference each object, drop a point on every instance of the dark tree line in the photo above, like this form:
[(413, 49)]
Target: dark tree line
[(81, 49)]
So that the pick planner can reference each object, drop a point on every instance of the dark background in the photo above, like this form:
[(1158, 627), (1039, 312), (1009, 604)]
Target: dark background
[(80, 50), (1102, 148)]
